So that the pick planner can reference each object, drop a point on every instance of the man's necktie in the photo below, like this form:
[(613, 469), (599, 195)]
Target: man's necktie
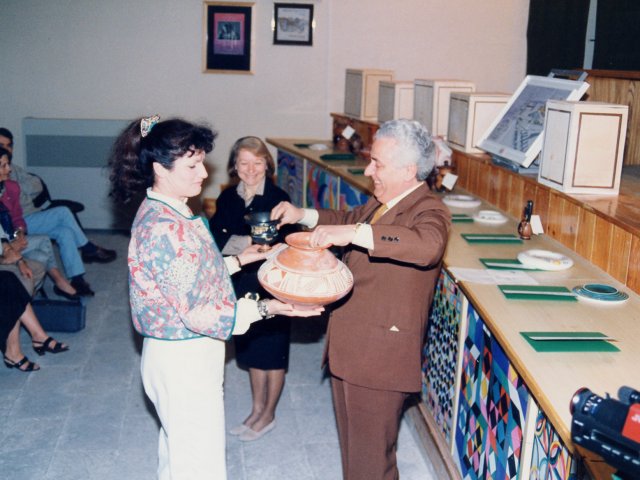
[(378, 213)]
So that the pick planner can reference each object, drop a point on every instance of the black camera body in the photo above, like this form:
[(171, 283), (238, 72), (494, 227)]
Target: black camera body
[(609, 427)]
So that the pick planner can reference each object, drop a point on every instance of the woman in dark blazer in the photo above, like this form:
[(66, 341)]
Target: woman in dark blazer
[(264, 349)]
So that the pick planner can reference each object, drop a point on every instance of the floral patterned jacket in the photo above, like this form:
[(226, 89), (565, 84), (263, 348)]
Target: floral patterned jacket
[(179, 286)]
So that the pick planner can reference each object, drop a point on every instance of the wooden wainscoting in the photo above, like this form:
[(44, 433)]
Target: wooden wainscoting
[(623, 88), (604, 230)]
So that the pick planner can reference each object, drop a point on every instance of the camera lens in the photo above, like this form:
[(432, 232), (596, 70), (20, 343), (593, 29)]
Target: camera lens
[(578, 399)]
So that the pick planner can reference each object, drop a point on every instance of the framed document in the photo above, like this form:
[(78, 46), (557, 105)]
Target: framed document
[(293, 24)]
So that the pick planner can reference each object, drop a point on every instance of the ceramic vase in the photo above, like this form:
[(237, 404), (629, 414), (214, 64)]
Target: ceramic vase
[(305, 276)]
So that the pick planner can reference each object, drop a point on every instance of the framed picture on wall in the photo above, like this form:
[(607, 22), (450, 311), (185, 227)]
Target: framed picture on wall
[(227, 37), (293, 24)]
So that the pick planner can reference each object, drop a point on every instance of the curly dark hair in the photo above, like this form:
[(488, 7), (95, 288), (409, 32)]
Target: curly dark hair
[(132, 157)]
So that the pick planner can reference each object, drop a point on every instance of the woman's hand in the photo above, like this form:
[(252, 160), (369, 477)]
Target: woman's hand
[(25, 270), (19, 243), (276, 307), (286, 213), (10, 255), (253, 254)]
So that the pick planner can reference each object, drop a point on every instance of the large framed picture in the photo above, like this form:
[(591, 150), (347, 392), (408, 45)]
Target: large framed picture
[(293, 24), (516, 134), (227, 37)]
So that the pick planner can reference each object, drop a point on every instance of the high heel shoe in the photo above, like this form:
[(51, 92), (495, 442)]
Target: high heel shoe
[(41, 347), (62, 293), (30, 366)]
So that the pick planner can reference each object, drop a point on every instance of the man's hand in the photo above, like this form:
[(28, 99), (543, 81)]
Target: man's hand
[(339, 235), (286, 213)]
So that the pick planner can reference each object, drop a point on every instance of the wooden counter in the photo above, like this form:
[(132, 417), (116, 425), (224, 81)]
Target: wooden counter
[(603, 229), (552, 378), (337, 167)]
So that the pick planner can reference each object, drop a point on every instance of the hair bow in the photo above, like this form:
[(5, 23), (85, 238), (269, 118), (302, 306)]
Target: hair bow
[(147, 123)]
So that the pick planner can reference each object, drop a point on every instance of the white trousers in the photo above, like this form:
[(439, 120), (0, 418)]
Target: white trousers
[(184, 381)]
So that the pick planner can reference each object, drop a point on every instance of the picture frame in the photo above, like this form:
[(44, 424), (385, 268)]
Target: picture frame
[(227, 37), (293, 24), (516, 134)]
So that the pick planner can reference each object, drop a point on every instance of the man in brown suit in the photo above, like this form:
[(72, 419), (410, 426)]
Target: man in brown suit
[(394, 248)]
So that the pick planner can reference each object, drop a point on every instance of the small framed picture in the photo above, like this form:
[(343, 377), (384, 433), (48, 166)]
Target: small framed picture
[(293, 24), (227, 37)]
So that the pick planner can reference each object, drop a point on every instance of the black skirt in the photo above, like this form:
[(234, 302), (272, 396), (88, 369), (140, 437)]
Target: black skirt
[(265, 346), (13, 301)]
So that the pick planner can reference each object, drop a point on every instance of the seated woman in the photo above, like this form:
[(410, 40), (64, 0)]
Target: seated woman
[(36, 247), (15, 309), (30, 274)]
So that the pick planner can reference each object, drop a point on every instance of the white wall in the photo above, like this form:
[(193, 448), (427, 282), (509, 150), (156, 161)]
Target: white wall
[(119, 59)]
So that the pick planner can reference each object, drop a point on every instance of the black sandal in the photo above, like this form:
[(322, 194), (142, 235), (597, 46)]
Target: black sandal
[(41, 347), (30, 366)]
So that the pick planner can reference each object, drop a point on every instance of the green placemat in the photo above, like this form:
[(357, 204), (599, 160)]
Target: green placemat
[(356, 171), (302, 145), (506, 264), (461, 218), (337, 156), (537, 292), (573, 345), (490, 238)]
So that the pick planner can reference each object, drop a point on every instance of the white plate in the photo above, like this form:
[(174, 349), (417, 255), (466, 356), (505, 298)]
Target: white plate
[(545, 260), (490, 217), (318, 146), (461, 201)]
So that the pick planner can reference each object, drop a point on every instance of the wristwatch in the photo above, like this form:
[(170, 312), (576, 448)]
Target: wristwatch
[(263, 309)]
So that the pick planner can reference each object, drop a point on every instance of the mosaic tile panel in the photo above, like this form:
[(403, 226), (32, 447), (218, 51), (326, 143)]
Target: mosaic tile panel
[(440, 353), (350, 196), (550, 458), (291, 176), (492, 408), (322, 188)]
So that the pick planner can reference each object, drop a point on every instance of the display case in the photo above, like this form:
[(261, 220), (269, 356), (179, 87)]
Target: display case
[(583, 146), (431, 102), (361, 92), (470, 114), (395, 100)]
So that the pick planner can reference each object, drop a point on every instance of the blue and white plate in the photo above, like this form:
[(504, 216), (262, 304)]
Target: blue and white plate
[(600, 293)]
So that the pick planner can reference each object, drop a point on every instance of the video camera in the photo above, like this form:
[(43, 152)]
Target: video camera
[(609, 427)]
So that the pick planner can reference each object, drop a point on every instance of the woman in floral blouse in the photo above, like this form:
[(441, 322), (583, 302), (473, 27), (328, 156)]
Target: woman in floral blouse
[(182, 299)]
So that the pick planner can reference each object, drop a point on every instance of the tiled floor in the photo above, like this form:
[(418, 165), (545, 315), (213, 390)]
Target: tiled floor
[(85, 416)]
